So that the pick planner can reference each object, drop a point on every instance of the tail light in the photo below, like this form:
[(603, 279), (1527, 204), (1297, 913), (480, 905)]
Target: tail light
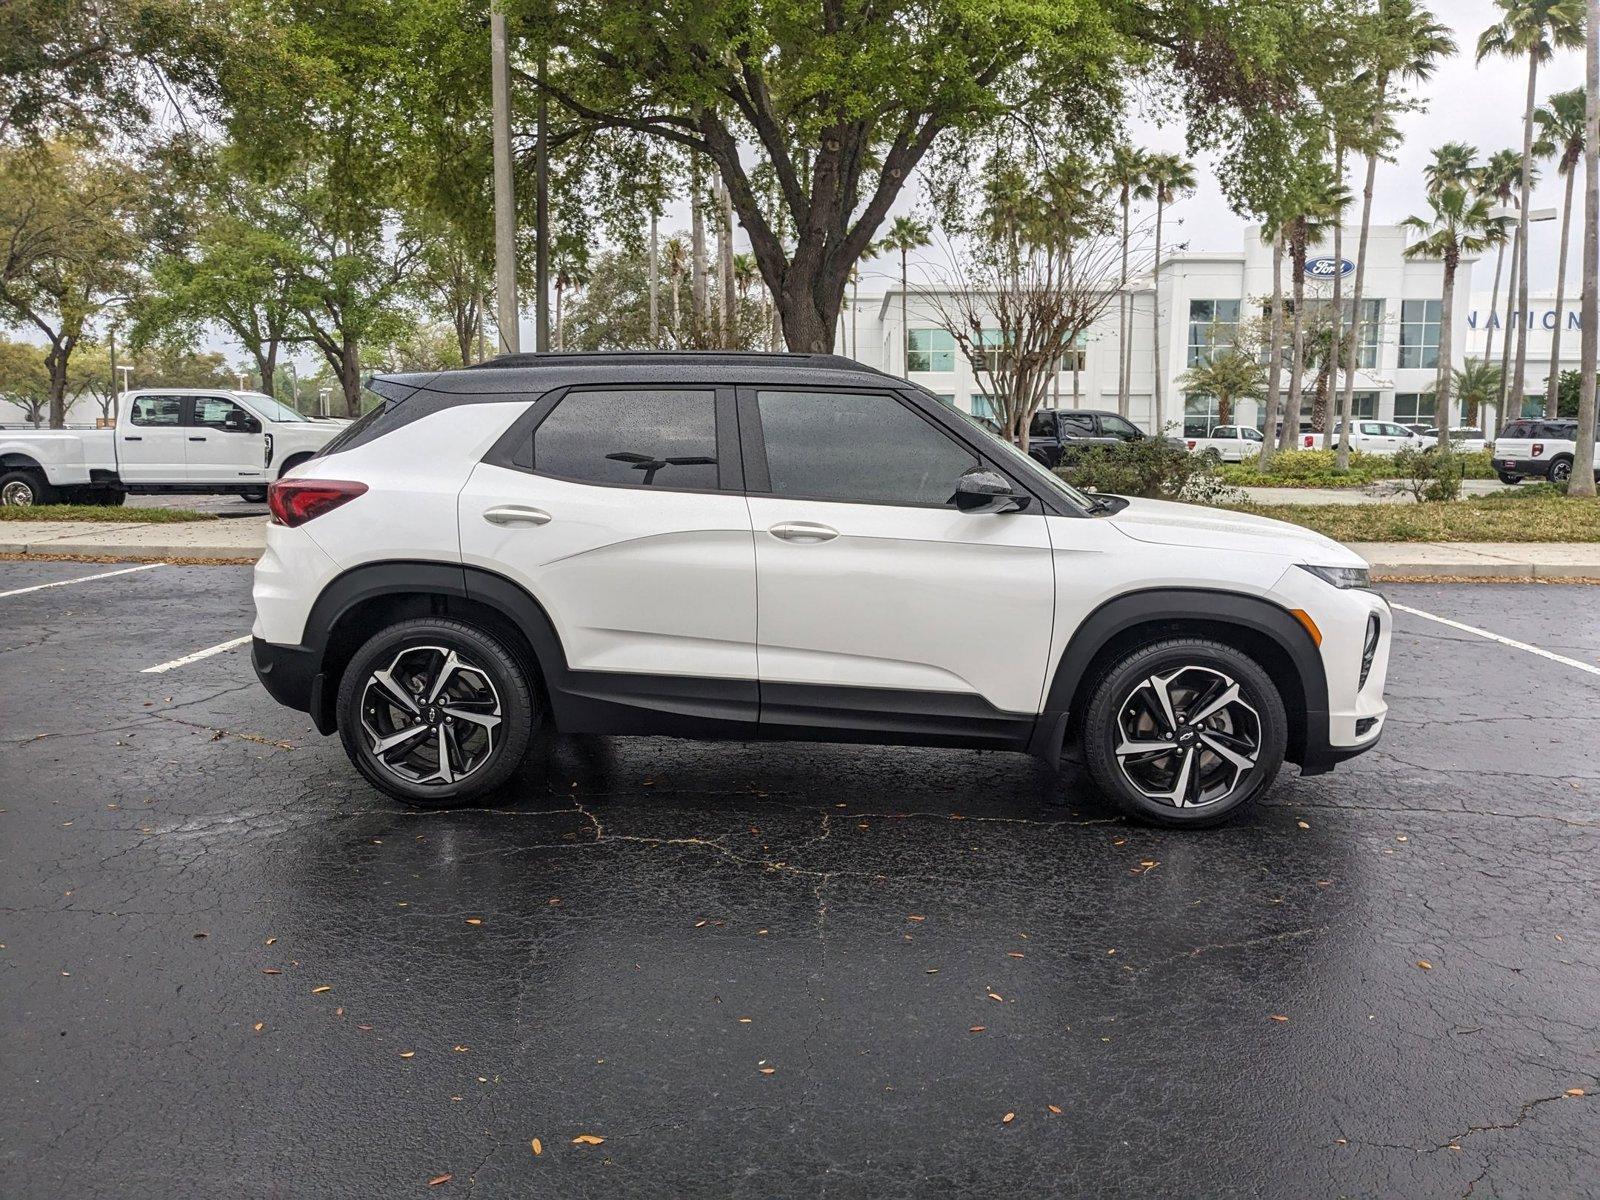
[(295, 501), (1311, 441), (1538, 449), (1191, 443)]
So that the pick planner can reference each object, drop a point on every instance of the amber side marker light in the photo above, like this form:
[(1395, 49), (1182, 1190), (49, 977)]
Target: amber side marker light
[(1301, 615)]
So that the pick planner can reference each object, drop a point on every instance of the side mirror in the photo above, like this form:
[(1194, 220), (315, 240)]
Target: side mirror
[(985, 490)]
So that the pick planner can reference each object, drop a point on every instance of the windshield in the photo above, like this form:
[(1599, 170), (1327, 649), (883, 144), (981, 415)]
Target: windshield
[(272, 410), (1034, 469)]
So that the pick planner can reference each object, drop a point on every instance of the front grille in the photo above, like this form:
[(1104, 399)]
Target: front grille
[(1369, 649)]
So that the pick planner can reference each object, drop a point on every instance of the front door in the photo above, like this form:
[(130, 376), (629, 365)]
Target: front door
[(621, 512), (152, 444), (226, 444), (882, 606)]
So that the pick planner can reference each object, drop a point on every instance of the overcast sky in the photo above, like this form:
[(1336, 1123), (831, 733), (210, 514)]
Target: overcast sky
[(1466, 102)]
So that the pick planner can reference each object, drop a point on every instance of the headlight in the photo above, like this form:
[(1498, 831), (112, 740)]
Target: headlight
[(1341, 577)]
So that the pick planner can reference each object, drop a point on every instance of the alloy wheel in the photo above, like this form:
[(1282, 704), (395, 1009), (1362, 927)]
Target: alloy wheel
[(1187, 738), (431, 716)]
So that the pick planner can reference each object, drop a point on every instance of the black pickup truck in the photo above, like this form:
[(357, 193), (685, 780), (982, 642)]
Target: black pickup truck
[(1057, 434)]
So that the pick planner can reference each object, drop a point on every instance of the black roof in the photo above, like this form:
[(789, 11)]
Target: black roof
[(512, 373)]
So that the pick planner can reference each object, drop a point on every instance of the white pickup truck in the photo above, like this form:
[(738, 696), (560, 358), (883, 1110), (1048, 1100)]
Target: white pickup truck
[(1375, 437), (165, 440), (1229, 443)]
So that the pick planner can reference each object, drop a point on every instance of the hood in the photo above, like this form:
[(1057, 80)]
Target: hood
[(1164, 523)]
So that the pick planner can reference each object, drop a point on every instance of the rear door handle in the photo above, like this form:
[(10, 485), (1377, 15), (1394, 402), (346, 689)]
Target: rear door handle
[(131, 438), (197, 439), (516, 514), (804, 533)]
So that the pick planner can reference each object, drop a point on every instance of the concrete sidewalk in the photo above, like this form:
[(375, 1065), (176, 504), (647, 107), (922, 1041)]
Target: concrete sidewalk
[(242, 538)]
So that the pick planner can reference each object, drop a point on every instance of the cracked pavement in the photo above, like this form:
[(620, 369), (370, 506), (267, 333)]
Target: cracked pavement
[(759, 970)]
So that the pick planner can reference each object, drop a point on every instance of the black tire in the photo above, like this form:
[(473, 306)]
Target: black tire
[(1510, 480), (23, 486), (1192, 667), (254, 495), (413, 647), (111, 497), (1560, 470)]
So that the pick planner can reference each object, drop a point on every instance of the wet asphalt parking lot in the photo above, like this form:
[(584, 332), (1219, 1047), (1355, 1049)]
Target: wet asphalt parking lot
[(230, 968)]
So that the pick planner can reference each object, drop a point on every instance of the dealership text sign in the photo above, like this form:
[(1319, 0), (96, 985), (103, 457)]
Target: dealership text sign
[(1536, 319)]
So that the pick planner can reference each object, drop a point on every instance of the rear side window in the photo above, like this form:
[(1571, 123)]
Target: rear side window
[(647, 438), (157, 410), (865, 448), (1078, 425)]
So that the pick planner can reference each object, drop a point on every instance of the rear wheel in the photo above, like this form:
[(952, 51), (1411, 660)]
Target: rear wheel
[(1184, 732), (254, 495), (21, 487), (1561, 470), (436, 712)]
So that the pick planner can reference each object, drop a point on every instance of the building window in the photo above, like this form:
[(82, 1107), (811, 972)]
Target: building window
[(1415, 408), (1364, 404), (980, 405), (1419, 333), (1213, 325), (993, 343), (1075, 357), (1371, 336), (1199, 416), (931, 350)]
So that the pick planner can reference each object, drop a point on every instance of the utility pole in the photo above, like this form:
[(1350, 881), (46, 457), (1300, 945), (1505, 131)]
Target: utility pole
[(541, 221), (505, 207)]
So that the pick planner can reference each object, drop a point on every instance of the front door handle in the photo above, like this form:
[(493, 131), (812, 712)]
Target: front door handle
[(516, 514), (197, 439), (804, 533), (131, 438)]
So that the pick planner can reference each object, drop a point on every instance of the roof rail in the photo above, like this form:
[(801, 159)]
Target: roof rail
[(830, 362)]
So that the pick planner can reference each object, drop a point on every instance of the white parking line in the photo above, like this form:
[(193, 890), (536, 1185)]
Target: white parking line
[(39, 587), (196, 656), (1504, 641)]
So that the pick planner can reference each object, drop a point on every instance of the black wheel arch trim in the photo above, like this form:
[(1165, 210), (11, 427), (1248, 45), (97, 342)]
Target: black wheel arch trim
[(1258, 615)]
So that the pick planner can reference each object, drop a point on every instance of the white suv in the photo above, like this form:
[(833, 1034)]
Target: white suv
[(787, 546)]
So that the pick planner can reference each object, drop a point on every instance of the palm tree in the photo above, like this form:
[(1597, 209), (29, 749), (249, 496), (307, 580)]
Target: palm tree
[(1560, 120), (1477, 383), (675, 257), (1582, 482), (1230, 375), (905, 235), (1273, 227), (1171, 178), (1128, 175), (1453, 163), (571, 273), (1499, 178), (1073, 210), (1320, 204), (1534, 29), (1460, 222), (1408, 47)]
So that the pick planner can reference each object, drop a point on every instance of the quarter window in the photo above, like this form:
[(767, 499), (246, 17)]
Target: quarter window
[(157, 410), (861, 448), (664, 439)]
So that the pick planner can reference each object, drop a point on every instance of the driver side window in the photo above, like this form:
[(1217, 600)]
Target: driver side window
[(861, 448), (213, 412)]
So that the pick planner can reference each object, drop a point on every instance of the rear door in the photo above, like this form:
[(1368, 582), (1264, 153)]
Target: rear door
[(152, 444), (883, 606), (225, 442), (620, 510)]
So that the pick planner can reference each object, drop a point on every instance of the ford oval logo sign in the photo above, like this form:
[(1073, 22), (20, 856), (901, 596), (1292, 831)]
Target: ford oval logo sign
[(1327, 268)]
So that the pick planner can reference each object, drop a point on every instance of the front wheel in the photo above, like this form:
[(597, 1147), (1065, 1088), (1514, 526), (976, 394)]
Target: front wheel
[(1184, 732), (436, 712)]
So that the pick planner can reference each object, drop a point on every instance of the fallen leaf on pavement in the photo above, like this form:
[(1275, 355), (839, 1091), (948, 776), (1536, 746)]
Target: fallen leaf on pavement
[(1575, 1091), (1277, 1017), (1053, 1109), (587, 1139), (977, 1029), (408, 1053), (474, 920), (1008, 1118), (538, 1147), (1424, 964), (317, 991), (438, 1179), (260, 1025)]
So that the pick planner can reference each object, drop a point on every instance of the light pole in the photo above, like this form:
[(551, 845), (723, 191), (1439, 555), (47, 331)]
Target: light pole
[(505, 209)]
